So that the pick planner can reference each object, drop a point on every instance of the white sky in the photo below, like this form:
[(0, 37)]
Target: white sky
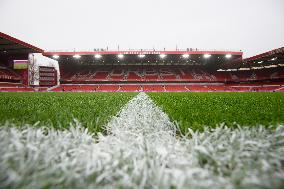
[(255, 26)]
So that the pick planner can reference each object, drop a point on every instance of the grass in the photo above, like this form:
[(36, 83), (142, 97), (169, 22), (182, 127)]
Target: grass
[(195, 110), (141, 150), (93, 110)]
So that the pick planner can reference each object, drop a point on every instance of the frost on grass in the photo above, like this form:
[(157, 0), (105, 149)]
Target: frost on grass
[(141, 151)]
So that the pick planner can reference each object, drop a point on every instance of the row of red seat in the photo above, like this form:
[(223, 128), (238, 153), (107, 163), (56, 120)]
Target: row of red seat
[(167, 88), (87, 74), (23, 89), (10, 87), (7, 74), (14, 87)]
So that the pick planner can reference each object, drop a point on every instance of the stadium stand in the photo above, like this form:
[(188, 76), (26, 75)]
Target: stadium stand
[(14, 87), (175, 88), (197, 87), (172, 72), (10, 81), (196, 81), (7, 74), (130, 88), (12, 50), (176, 75)]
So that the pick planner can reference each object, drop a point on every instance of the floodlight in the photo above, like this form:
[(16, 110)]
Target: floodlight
[(77, 56), (162, 56), (98, 56), (228, 56), (275, 58), (207, 55), (185, 55), (120, 56), (141, 55), (55, 56)]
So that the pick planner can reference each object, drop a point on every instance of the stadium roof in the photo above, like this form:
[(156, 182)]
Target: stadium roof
[(136, 52), (273, 56), (189, 56), (11, 45)]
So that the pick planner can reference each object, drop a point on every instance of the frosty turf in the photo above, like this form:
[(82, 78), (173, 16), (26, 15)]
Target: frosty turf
[(141, 150)]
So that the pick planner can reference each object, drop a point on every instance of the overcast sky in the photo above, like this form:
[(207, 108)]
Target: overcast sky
[(253, 26)]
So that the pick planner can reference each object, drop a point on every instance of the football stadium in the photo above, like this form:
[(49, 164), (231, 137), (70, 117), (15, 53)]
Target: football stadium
[(140, 118), (103, 70)]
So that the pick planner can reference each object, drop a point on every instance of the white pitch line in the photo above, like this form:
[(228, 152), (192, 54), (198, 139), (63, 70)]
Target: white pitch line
[(141, 151)]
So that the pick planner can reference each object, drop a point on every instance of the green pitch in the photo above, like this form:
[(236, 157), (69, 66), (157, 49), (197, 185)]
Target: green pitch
[(195, 110), (93, 110)]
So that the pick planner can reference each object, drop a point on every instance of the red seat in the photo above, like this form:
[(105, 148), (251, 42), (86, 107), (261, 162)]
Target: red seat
[(175, 88), (130, 88), (153, 88)]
